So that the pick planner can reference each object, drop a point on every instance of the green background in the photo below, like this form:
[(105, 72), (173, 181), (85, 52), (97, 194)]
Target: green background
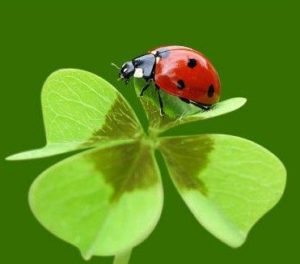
[(254, 47)]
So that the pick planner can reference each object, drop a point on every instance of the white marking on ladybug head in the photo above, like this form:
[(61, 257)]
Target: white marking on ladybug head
[(138, 73)]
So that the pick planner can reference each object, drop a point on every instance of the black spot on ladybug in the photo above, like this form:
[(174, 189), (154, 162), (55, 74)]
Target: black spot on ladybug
[(180, 84), (210, 91), (192, 63)]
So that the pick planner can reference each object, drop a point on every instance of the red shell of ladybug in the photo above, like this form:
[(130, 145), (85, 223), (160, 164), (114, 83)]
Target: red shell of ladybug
[(186, 73), (179, 71)]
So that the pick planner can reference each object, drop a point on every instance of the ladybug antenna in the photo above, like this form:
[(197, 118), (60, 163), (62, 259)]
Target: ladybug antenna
[(115, 65)]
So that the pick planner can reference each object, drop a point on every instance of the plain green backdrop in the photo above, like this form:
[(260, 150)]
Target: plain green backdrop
[(253, 44)]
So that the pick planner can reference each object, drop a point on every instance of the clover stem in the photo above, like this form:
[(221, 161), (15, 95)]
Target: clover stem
[(123, 258)]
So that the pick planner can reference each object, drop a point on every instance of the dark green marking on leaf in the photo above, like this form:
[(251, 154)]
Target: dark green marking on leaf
[(120, 123), (126, 167), (186, 158)]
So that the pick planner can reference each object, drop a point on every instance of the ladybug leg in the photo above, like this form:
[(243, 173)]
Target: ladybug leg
[(145, 87), (203, 107), (185, 100), (161, 105)]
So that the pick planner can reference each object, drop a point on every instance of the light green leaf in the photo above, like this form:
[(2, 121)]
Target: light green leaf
[(82, 110), (178, 112), (104, 201), (227, 182)]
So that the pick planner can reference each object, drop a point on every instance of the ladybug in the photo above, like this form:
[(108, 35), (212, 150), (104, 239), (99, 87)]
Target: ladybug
[(179, 71)]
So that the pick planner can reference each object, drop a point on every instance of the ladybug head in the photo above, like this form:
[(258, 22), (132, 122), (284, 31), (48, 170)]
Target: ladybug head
[(127, 71)]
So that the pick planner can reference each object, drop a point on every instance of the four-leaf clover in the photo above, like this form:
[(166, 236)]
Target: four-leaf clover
[(107, 199)]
